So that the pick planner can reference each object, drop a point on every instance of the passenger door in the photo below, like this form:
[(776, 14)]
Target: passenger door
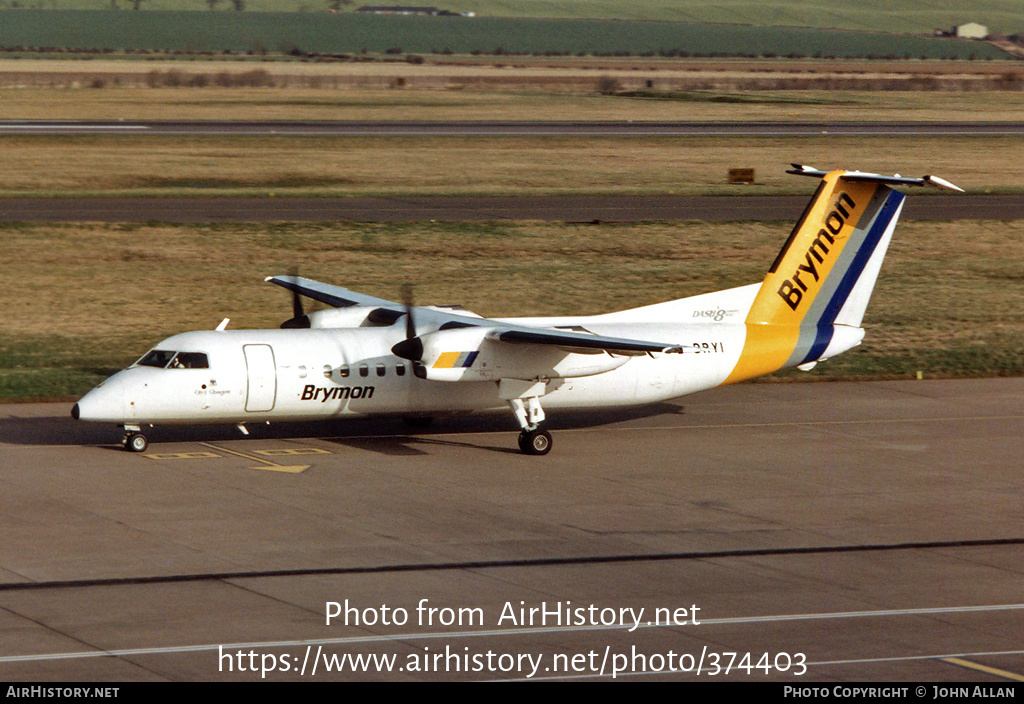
[(262, 375)]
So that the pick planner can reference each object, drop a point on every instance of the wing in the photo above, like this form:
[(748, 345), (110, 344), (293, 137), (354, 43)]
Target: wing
[(331, 295), (436, 322), (578, 341)]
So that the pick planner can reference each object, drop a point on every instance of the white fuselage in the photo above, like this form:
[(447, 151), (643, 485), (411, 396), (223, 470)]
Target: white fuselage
[(285, 375), (309, 374)]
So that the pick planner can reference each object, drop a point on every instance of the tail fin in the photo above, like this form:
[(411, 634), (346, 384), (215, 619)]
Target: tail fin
[(825, 273)]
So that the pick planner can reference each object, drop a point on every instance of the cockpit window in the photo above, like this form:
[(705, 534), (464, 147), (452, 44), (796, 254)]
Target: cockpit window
[(156, 358), (175, 360), (190, 360)]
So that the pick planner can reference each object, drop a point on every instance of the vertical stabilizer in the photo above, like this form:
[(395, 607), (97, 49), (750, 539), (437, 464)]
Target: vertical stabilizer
[(825, 273), (827, 252)]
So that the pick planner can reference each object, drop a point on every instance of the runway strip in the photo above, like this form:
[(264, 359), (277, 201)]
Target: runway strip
[(582, 209), (449, 635)]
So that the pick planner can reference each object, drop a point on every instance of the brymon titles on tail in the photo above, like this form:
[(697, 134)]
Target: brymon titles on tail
[(812, 302)]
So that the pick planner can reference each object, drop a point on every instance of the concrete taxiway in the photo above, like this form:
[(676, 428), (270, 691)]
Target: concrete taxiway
[(860, 531)]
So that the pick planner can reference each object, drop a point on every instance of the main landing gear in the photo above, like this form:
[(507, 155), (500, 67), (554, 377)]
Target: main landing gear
[(134, 440), (533, 440)]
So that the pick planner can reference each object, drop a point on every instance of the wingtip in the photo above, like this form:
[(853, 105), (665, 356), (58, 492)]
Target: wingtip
[(805, 170), (942, 183)]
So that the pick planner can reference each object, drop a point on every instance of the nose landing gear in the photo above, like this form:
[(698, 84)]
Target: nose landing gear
[(134, 440)]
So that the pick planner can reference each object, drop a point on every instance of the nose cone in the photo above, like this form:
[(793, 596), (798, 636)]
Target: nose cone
[(104, 403)]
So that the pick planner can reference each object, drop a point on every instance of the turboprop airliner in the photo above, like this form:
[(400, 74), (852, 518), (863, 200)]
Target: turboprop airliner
[(367, 356)]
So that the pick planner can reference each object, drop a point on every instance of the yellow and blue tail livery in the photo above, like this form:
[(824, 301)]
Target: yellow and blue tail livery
[(811, 303)]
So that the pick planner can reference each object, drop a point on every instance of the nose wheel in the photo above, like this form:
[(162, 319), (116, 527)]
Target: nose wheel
[(134, 441)]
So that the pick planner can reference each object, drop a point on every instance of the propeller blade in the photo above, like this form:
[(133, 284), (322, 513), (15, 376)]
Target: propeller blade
[(297, 311), (299, 318), (411, 347), (407, 301), (296, 323)]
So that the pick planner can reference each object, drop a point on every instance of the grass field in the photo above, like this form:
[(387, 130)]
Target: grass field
[(88, 299), (212, 103), (340, 166), (320, 33), (918, 16)]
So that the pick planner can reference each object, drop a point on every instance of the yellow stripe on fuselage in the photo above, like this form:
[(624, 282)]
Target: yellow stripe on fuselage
[(447, 360), (765, 350), (807, 261)]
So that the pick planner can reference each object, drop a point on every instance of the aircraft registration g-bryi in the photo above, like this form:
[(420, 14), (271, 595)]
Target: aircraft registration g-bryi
[(367, 356)]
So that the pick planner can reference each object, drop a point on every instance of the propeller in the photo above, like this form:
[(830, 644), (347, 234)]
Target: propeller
[(411, 347), (299, 318), (407, 301)]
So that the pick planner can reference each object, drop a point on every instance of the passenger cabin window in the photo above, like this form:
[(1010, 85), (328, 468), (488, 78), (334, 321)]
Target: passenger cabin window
[(382, 369), (364, 370), (327, 371), (343, 371), (400, 369)]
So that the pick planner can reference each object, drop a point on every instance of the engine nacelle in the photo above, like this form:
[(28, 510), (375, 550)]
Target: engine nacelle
[(468, 354), (352, 317)]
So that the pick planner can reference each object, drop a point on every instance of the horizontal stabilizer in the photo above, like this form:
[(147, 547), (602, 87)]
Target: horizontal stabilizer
[(895, 180)]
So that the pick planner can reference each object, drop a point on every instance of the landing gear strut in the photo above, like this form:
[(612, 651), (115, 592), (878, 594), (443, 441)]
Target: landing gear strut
[(533, 440)]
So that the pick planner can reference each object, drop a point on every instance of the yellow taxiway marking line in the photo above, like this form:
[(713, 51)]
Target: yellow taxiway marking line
[(292, 451), (271, 466), (985, 668), (180, 455)]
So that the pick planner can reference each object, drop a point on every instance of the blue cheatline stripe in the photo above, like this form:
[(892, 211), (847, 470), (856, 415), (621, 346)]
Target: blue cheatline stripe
[(824, 331), (811, 335), (822, 336), (467, 359)]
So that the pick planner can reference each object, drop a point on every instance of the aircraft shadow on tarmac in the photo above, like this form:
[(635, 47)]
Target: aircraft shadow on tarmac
[(389, 436)]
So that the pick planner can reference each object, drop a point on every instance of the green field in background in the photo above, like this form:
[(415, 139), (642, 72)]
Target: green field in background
[(909, 16), (321, 33)]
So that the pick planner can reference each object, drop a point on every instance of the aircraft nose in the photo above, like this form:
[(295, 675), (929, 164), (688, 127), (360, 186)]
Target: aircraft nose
[(104, 403)]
